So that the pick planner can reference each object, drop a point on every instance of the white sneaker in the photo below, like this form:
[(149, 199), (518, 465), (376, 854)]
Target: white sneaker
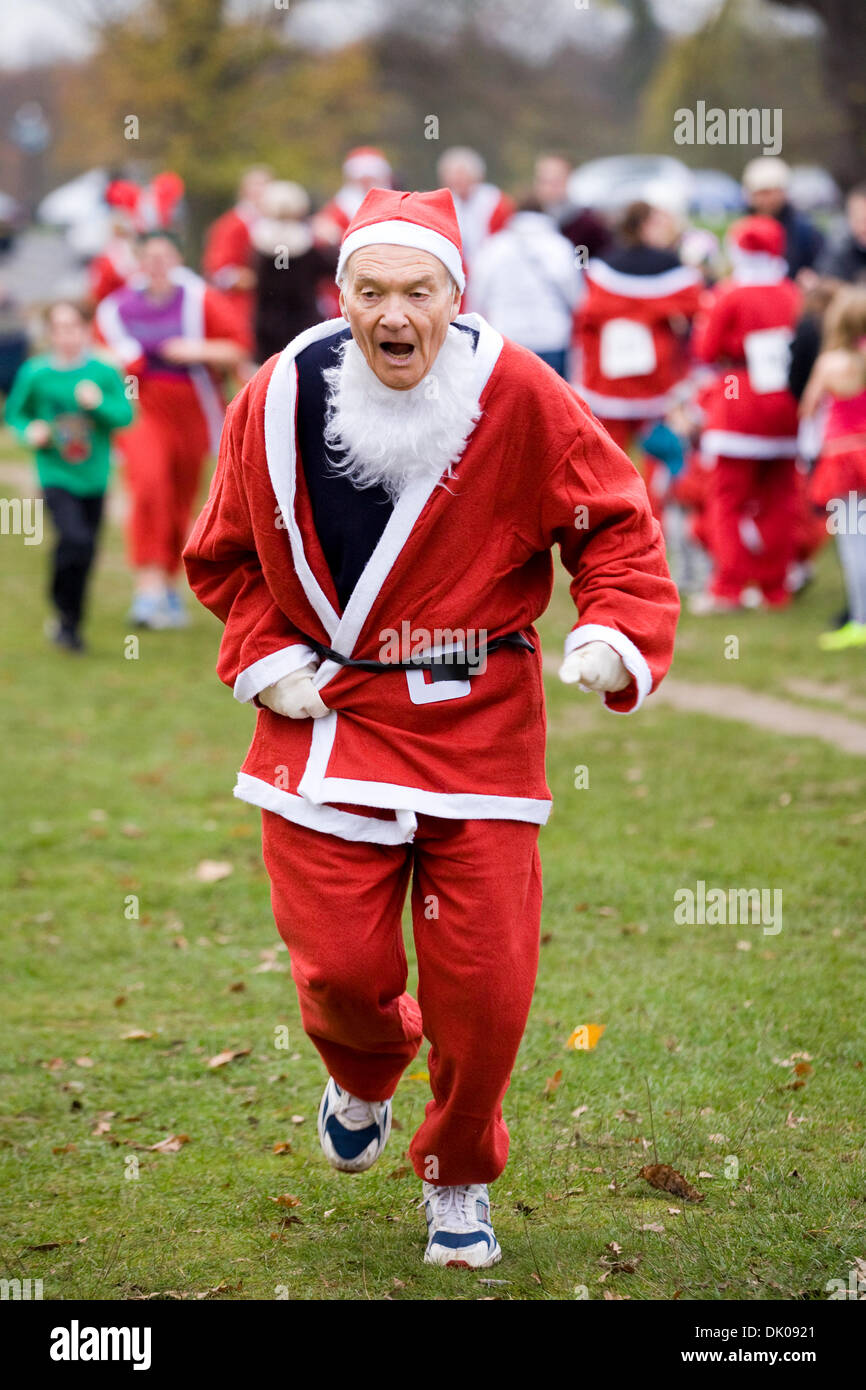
[(352, 1132), (459, 1233)]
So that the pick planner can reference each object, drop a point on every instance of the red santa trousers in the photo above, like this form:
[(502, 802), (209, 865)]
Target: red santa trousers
[(752, 520), (164, 452), (476, 910)]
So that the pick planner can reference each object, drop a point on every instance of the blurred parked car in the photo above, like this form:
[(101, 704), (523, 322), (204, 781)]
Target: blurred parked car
[(79, 209), (610, 184), (715, 193), (813, 189)]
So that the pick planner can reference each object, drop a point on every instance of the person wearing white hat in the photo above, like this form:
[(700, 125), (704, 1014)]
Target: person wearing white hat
[(377, 542), (766, 182)]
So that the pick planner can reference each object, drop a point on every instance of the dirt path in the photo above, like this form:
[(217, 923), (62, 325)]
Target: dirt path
[(763, 712)]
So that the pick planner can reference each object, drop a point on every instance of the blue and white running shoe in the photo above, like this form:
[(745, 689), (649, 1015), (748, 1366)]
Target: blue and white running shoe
[(178, 616), (352, 1132), (151, 610), (459, 1233)]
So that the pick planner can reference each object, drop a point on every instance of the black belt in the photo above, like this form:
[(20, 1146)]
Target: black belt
[(452, 666)]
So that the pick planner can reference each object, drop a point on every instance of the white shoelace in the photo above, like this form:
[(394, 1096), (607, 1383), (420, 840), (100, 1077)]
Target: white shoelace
[(358, 1112), (459, 1200)]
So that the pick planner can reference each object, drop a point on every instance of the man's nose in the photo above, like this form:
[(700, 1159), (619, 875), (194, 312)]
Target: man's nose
[(394, 312)]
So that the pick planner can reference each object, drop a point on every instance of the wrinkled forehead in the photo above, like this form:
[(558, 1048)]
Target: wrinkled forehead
[(395, 268)]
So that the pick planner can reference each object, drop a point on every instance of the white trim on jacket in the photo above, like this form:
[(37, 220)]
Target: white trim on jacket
[(631, 408), (315, 789), (733, 444), (664, 282), (632, 659)]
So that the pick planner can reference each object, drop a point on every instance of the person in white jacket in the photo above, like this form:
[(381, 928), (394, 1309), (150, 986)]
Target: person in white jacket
[(526, 283)]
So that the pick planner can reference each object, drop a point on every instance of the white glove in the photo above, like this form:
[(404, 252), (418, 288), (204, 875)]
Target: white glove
[(596, 666), (294, 695)]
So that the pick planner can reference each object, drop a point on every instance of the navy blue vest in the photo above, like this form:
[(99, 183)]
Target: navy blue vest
[(349, 521)]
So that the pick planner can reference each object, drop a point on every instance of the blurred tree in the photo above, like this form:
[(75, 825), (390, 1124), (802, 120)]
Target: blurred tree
[(738, 60), (211, 94), (844, 58)]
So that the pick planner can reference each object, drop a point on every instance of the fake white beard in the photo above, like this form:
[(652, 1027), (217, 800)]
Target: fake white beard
[(392, 437)]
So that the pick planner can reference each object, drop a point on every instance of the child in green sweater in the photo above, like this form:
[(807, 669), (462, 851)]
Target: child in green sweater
[(66, 405)]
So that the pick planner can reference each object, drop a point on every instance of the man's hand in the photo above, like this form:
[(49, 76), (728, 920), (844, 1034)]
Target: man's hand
[(595, 665), (295, 696)]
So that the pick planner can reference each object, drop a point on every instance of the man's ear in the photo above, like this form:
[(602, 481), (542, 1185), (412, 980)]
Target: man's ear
[(343, 303), (457, 295)]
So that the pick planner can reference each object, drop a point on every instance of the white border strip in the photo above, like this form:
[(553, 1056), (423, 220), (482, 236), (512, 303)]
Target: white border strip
[(731, 444), (680, 277), (281, 453), (326, 819), (632, 659), (628, 408), (400, 232), (253, 679)]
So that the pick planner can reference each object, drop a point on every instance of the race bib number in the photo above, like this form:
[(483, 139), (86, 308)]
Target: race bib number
[(626, 349), (767, 358)]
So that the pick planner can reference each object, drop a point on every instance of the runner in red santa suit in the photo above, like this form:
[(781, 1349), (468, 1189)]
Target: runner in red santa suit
[(482, 208), (227, 262), (633, 324), (750, 426), (377, 542), (172, 334), (363, 168)]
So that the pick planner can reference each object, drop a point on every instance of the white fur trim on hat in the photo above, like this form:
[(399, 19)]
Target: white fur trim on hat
[(397, 232)]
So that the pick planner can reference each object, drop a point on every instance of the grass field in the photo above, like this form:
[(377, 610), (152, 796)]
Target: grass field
[(733, 1054)]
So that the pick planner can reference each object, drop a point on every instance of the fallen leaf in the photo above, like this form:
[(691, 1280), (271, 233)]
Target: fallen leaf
[(581, 1110), (402, 1172), (652, 1226), (551, 1085), (585, 1036), (136, 1035), (212, 870), (419, 1076), (84, 1062), (803, 1069), (297, 1119), (287, 1200), (663, 1176), (223, 1058), (65, 1149), (170, 1145), (793, 1120), (284, 1148)]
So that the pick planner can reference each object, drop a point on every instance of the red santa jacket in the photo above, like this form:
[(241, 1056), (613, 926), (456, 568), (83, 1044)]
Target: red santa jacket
[(632, 359), (229, 249), (746, 328), (537, 470)]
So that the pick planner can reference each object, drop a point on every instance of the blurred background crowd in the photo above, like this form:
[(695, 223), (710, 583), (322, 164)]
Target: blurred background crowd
[(176, 180)]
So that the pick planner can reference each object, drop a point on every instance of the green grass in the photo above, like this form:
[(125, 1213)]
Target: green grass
[(121, 773)]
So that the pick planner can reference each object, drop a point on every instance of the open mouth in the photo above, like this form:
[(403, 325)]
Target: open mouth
[(398, 354)]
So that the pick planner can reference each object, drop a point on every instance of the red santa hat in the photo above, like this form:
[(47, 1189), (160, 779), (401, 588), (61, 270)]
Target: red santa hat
[(366, 162), (762, 236), (425, 221)]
